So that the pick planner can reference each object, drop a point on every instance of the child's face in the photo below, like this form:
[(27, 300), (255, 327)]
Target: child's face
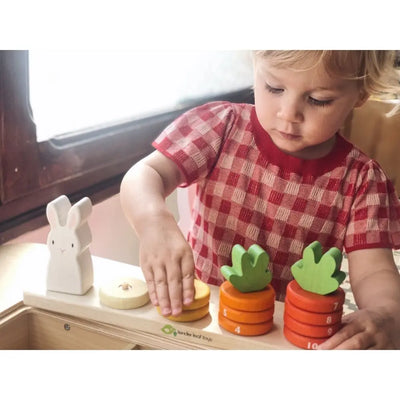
[(302, 110)]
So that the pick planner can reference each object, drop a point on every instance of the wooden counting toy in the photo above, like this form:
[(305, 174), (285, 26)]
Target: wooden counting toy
[(70, 268), (124, 294), (314, 301), (198, 309), (246, 298)]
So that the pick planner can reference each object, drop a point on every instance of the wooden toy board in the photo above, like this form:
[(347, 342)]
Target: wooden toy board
[(202, 334), (23, 268)]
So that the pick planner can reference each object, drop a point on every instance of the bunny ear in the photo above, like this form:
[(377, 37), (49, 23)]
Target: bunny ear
[(79, 212), (57, 211)]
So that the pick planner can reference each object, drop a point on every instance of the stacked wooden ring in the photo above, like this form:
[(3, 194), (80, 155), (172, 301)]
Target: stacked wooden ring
[(198, 309), (246, 314), (311, 318)]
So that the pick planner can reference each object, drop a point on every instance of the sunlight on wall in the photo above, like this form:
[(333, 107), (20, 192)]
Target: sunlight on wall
[(71, 91)]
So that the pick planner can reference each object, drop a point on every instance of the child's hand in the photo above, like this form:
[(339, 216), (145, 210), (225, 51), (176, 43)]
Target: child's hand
[(167, 263), (375, 282), (364, 329), (165, 256)]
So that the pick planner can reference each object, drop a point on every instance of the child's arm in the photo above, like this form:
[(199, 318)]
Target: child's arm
[(165, 256), (375, 282)]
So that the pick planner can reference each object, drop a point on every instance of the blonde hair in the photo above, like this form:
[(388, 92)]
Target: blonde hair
[(374, 69)]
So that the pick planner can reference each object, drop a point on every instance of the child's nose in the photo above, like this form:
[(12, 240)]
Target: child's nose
[(290, 111)]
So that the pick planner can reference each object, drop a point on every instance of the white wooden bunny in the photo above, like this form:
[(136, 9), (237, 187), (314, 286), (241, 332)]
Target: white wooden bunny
[(70, 268)]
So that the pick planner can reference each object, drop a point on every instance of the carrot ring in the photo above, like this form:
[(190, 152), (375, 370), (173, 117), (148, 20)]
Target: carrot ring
[(314, 331), (312, 318), (301, 341), (250, 301), (188, 315), (247, 317), (312, 301), (201, 296), (244, 329)]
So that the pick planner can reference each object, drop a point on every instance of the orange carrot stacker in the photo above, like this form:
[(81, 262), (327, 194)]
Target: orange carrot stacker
[(246, 303), (314, 300)]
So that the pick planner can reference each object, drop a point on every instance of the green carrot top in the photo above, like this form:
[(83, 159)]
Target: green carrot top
[(249, 272), (317, 272)]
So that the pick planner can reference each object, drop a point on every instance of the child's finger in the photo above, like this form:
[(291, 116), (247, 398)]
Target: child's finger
[(161, 286), (175, 291), (188, 279), (148, 276), (350, 337)]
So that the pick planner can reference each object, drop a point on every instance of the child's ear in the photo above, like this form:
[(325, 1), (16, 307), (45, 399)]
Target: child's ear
[(364, 96)]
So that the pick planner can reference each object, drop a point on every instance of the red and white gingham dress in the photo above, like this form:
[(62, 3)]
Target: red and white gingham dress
[(248, 191)]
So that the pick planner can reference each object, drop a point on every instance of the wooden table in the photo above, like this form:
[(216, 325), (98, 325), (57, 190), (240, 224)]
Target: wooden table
[(54, 320)]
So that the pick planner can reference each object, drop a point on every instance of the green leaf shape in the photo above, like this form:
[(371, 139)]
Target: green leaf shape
[(249, 272), (319, 273)]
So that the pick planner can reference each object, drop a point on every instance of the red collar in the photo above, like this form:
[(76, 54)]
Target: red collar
[(315, 167)]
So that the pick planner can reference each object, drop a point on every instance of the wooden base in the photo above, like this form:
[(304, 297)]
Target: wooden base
[(145, 321), (31, 329)]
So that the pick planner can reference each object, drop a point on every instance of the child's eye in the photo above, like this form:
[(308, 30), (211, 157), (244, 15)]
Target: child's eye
[(273, 89), (319, 103)]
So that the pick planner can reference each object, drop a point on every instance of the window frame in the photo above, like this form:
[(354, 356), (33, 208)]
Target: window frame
[(89, 163)]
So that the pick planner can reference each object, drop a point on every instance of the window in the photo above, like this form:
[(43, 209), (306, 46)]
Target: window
[(41, 160)]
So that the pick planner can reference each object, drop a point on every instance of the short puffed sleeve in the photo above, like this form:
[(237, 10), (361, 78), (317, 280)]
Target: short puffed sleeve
[(193, 141), (375, 213)]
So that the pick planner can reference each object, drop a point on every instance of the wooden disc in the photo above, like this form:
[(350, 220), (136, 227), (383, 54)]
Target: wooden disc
[(124, 293), (247, 317), (312, 301), (201, 296), (314, 331), (312, 318), (239, 328), (301, 341), (250, 301), (188, 315)]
